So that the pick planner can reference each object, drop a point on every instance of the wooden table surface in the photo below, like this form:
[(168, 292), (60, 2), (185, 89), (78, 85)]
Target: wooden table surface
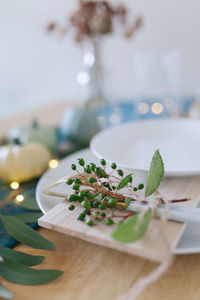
[(96, 273)]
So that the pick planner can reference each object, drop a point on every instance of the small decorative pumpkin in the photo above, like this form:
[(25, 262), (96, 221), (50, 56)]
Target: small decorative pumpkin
[(35, 133), (23, 162), (79, 125)]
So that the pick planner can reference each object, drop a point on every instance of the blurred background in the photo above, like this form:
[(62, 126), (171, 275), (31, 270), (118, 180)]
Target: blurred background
[(37, 68)]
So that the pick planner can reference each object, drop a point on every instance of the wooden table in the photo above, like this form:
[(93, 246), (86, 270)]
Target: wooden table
[(97, 273)]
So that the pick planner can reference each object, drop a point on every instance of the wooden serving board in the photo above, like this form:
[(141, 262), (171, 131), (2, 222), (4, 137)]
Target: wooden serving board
[(151, 246)]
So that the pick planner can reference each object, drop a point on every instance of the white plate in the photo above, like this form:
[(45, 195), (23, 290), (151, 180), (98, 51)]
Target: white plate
[(132, 145), (189, 243)]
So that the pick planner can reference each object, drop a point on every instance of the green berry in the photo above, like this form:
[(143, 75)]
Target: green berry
[(88, 170), (120, 172), (103, 162), (86, 204), (106, 184), (93, 167), (92, 180), (102, 214), (81, 216), (71, 207), (140, 186), (73, 167), (109, 221), (81, 162), (80, 199), (69, 181), (89, 222), (87, 212), (82, 193), (91, 204), (89, 195), (135, 189), (78, 181), (100, 172), (72, 198), (112, 202), (76, 187), (103, 196), (102, 206), (113, 187), (113, 166), (97, 203)]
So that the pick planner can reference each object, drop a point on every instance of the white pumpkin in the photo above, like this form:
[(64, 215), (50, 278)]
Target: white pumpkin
[(23, 162)]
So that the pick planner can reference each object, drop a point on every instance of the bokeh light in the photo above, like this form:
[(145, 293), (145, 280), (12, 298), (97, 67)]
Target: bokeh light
[(157, 108), (143, 108), (53, 163), (14, 185), (19, 198)]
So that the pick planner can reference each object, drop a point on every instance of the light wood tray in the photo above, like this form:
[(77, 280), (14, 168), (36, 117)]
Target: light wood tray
[(151, 246)]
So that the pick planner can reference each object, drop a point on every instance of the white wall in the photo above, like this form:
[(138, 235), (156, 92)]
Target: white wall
[(36, 68)]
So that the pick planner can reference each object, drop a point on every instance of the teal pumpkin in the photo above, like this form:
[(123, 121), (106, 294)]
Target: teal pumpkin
[(35, 133), (80, 125)]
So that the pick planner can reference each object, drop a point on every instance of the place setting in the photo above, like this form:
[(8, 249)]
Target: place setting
[(99, 151)]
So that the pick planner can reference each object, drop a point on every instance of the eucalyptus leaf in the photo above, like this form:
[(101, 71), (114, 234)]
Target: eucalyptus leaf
[(124, 182), (5, 293), (29, 203), (29, 217), (127, 201), (132, 228), (24, 234), (18, 273), (155, 174), (26, 259)]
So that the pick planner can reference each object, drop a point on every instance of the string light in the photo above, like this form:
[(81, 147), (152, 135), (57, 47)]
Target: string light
[(143, 108), (53, 163), (14, 185), (157, 108), (19, 198)]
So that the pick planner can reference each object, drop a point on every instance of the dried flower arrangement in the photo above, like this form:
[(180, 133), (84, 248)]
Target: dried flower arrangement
[(97, 18)]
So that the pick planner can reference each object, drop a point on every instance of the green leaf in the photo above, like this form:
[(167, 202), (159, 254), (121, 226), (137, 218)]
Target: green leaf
[(17, 273), (5, 293), (29, 203), (24, 234), (155, 174), (124, 182), (29, 217), (133, 228), (26, 259), (127, 201)]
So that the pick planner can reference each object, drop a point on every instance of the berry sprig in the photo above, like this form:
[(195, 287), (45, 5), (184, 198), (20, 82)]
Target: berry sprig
[(97, 192)]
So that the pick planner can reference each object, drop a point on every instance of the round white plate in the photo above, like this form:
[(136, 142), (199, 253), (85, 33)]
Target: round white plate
[(132, 145), (189, 243)]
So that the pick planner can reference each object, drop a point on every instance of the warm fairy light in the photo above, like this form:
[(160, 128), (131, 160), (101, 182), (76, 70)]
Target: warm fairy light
[(143, 108), (14, 185), (53, 163), (19, 198), (157, 108)]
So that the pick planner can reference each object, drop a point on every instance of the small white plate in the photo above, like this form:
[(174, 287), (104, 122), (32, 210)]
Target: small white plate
[(190, 240), (132, 145)]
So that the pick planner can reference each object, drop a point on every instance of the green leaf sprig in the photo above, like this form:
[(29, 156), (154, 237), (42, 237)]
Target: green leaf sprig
[(155, 174), (15, 265), (100, 193)]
